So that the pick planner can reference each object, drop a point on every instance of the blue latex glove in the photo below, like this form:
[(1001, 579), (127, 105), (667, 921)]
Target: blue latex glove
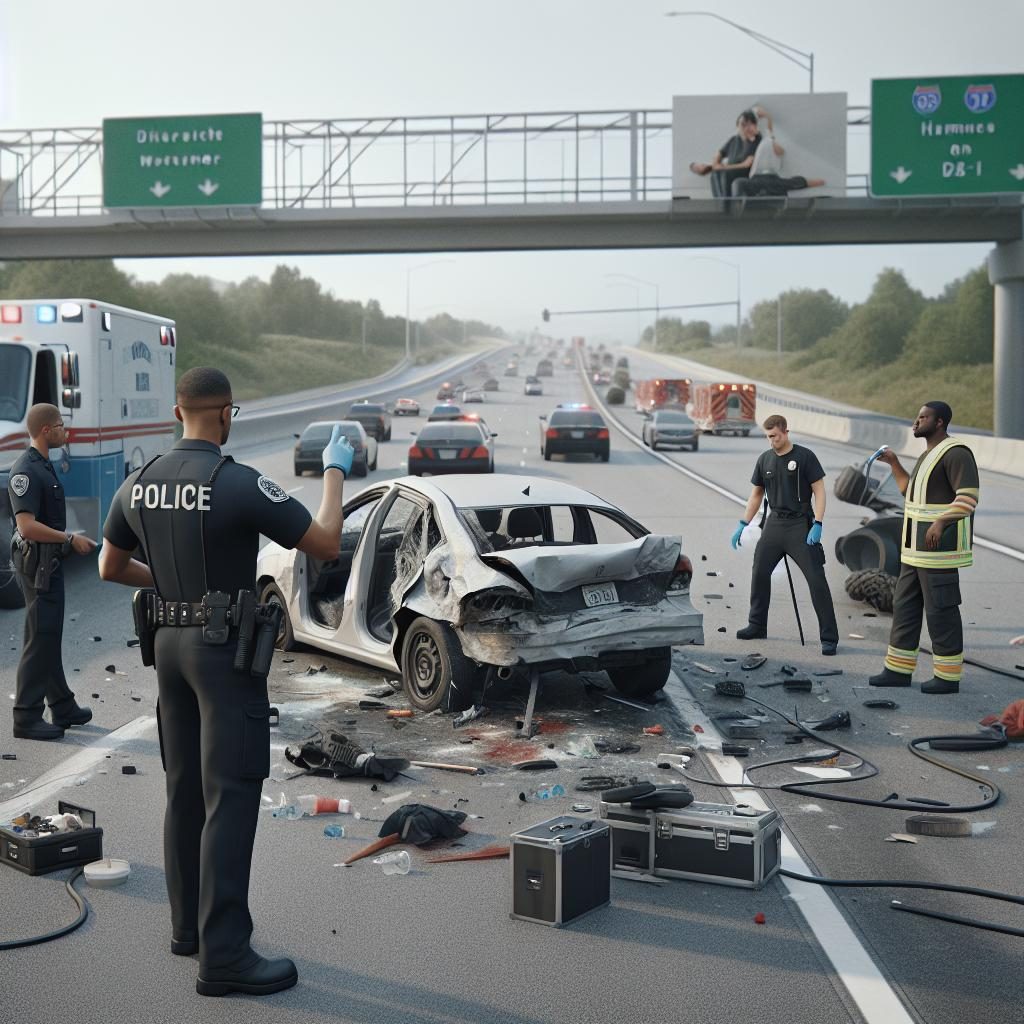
[(735, 541), (814, 535), (339, 453)]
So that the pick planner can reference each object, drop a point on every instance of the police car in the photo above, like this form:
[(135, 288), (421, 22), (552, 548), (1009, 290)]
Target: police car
[(444, 579), (572, 429)]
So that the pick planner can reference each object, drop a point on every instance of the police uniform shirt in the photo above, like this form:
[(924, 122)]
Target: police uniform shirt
[(183, 516), (787, 479), (33, 487)]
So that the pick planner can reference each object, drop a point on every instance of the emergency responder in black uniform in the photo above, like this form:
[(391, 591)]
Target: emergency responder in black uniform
[(39, 546), (198, 517), (790, 476)]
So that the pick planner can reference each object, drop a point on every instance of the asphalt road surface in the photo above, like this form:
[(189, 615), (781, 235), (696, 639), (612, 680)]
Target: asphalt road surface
[(437, 945)]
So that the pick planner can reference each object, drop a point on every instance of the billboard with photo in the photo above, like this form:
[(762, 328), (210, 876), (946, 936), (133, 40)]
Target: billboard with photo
[(722, 145)]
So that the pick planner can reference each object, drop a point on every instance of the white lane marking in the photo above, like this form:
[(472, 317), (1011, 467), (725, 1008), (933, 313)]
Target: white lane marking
[(981, 542), (295, 490), (875, 998), (59, 777)]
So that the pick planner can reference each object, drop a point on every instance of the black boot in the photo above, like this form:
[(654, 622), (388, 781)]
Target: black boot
[(74, 715), (259, 979), (937, 685), (38, 730), (752, 632), (889, 678), (184, 946)]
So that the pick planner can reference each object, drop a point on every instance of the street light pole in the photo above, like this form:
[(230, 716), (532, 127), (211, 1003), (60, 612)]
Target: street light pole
[(408, 291), (790, 53)]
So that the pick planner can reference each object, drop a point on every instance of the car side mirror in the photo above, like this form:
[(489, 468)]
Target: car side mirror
[(412, 433), (542, 417), (296, 436), (493, 434)]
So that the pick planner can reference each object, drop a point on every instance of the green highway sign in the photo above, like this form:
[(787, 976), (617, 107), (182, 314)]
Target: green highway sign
[(205, 160), (947, 136)]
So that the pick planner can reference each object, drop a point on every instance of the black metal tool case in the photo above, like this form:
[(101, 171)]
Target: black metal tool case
[(53, 851), (561, 870), (729, 844)]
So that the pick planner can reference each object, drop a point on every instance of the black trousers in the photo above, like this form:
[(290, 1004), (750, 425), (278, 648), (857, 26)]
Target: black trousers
[(215, 745), (41, 671), (933, 594), (789, 537), (768, 185), (724, 184)]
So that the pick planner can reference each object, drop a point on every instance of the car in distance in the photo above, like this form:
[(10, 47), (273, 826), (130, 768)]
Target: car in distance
[(670, 428), (310, 444), (375, 418), (407, 407), (533, 386), (546, 573), (444, 411), (603, 376), (545, 368), (572, 429), (446, 391), (472, 394), (511, 368), (491, 384), (455, 446)]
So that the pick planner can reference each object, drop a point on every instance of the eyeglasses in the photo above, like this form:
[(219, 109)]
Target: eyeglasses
[(201, 408)]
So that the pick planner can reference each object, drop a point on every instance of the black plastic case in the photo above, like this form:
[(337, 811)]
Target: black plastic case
[(561, 870), (45, 853)]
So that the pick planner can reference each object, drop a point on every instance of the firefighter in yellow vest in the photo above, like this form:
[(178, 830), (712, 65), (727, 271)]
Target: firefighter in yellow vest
[(938, 530)]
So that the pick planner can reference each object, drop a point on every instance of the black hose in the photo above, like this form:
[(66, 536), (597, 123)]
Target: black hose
[(887, 883), (83, 912)]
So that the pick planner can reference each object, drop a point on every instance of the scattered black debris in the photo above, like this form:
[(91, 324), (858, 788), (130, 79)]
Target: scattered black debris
[(743, 728), (730, 661), (703, 558), (881, 705), (705, 668), (110, 668), (829, 672), (752, 661), (937, 825), (714, 572), (398, 723), (588, 783), (334, 931), (730, 688), (721, 629), (542, 764), (732, 585), (713, 597), (581, 808), (95, 696), (870, 615), (616, 748), (788, 670), (379, 691), (9, 757), (128, 769), (97, 639), (288, 661), (312, 671), (136, 699), (795, 684), (839, 720), (629, 703), (735, 750), (371, 705), (132, 643)]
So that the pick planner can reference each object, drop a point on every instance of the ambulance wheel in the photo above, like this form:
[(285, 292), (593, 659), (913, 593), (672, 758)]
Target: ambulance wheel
[(11, 595), (641, 680), (285, 636)]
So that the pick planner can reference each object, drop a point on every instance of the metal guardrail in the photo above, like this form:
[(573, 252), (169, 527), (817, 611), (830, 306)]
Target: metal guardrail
[(460, 159)]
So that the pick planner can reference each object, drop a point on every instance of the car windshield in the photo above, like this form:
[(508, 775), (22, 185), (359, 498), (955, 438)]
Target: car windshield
[(440, 433), (445, 410), (575, 418), (15, 364), (366, 409), (674, 417)]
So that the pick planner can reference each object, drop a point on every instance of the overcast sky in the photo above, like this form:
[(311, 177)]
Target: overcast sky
[(69, 63)]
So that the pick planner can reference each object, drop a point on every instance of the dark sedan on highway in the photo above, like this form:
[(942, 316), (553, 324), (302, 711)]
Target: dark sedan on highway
[(457, 447), (309, 446), (670, 428), (574, 428), (374, 417)]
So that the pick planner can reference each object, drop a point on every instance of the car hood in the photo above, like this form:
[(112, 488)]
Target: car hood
[(557, 569)]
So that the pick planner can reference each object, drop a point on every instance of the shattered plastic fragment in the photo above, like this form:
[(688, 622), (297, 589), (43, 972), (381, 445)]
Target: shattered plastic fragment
[(759, 918), (654, 730)]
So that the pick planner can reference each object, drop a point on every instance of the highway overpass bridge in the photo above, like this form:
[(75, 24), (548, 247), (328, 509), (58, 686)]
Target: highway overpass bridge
[(491, 182)]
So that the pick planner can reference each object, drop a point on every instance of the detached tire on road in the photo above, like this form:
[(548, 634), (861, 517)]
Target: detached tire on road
[(875, 587), (285, 635), (435, 672), (641, 680)]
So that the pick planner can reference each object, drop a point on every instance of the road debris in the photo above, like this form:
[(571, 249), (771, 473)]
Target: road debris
[(629, 703), (471, 714), (900, 837), (494, 852), (654, 730)]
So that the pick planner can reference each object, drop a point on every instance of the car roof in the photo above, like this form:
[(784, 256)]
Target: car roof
[(486, 490)]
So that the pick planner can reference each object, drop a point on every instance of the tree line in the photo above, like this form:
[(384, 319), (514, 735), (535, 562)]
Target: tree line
[(205, 310)]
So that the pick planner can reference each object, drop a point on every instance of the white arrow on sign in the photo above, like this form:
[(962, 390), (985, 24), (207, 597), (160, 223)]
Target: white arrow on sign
[(159, 189), (1018, 172), (208, 187), (900, 175)]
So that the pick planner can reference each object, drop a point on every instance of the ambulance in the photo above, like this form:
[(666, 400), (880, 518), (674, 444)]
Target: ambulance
[(728, 408), (110, 371)]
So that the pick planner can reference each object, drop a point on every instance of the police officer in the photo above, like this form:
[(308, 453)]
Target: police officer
[(936, 542), (37, 500), (790, 476), (198, 517)]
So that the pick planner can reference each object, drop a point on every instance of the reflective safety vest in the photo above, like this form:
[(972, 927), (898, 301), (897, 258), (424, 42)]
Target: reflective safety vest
[(919, 514)]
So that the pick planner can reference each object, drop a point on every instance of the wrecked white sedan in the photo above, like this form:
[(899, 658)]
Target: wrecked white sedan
[(450, 579)]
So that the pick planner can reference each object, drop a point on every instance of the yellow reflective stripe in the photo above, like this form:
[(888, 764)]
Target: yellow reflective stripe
[(917, 512), (948, 666), (937, 559), (903, 662)]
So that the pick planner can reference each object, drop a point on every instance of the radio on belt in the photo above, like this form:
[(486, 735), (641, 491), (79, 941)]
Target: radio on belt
[(730, 844)]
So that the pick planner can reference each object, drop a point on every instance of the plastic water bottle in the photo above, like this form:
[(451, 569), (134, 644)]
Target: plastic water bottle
[(548, 792), (309, 804), (397, 862), (334, 832)]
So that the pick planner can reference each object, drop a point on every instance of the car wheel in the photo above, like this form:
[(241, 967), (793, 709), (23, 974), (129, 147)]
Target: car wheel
[(387, 435), (285, 635), (693, 447), (374, 466), (435, 672), (546, 454), (640, 680), (605, 456), (359, 468), (298, 472), (654, 445)]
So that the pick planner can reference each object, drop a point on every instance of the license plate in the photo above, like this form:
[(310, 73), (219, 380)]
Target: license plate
[(576, 435), (447, 454), (597, 594)]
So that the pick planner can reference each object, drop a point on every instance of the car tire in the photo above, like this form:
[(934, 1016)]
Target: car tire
[(641, 680), (285, 635), (359, 468), (298, 472), (435, 671), (546, 454), (654, 445), (387, 434), (693, 447), (11, 595), (373, 468), (605, 456)]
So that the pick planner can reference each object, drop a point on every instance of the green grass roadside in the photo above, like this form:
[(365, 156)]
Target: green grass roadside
[(895, 389), (277, 364)]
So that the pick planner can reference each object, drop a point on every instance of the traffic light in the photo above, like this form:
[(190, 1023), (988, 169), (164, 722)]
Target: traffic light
[(546, 315)]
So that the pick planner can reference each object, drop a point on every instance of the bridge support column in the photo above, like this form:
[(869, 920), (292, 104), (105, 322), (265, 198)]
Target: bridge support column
[(1006, 273)]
